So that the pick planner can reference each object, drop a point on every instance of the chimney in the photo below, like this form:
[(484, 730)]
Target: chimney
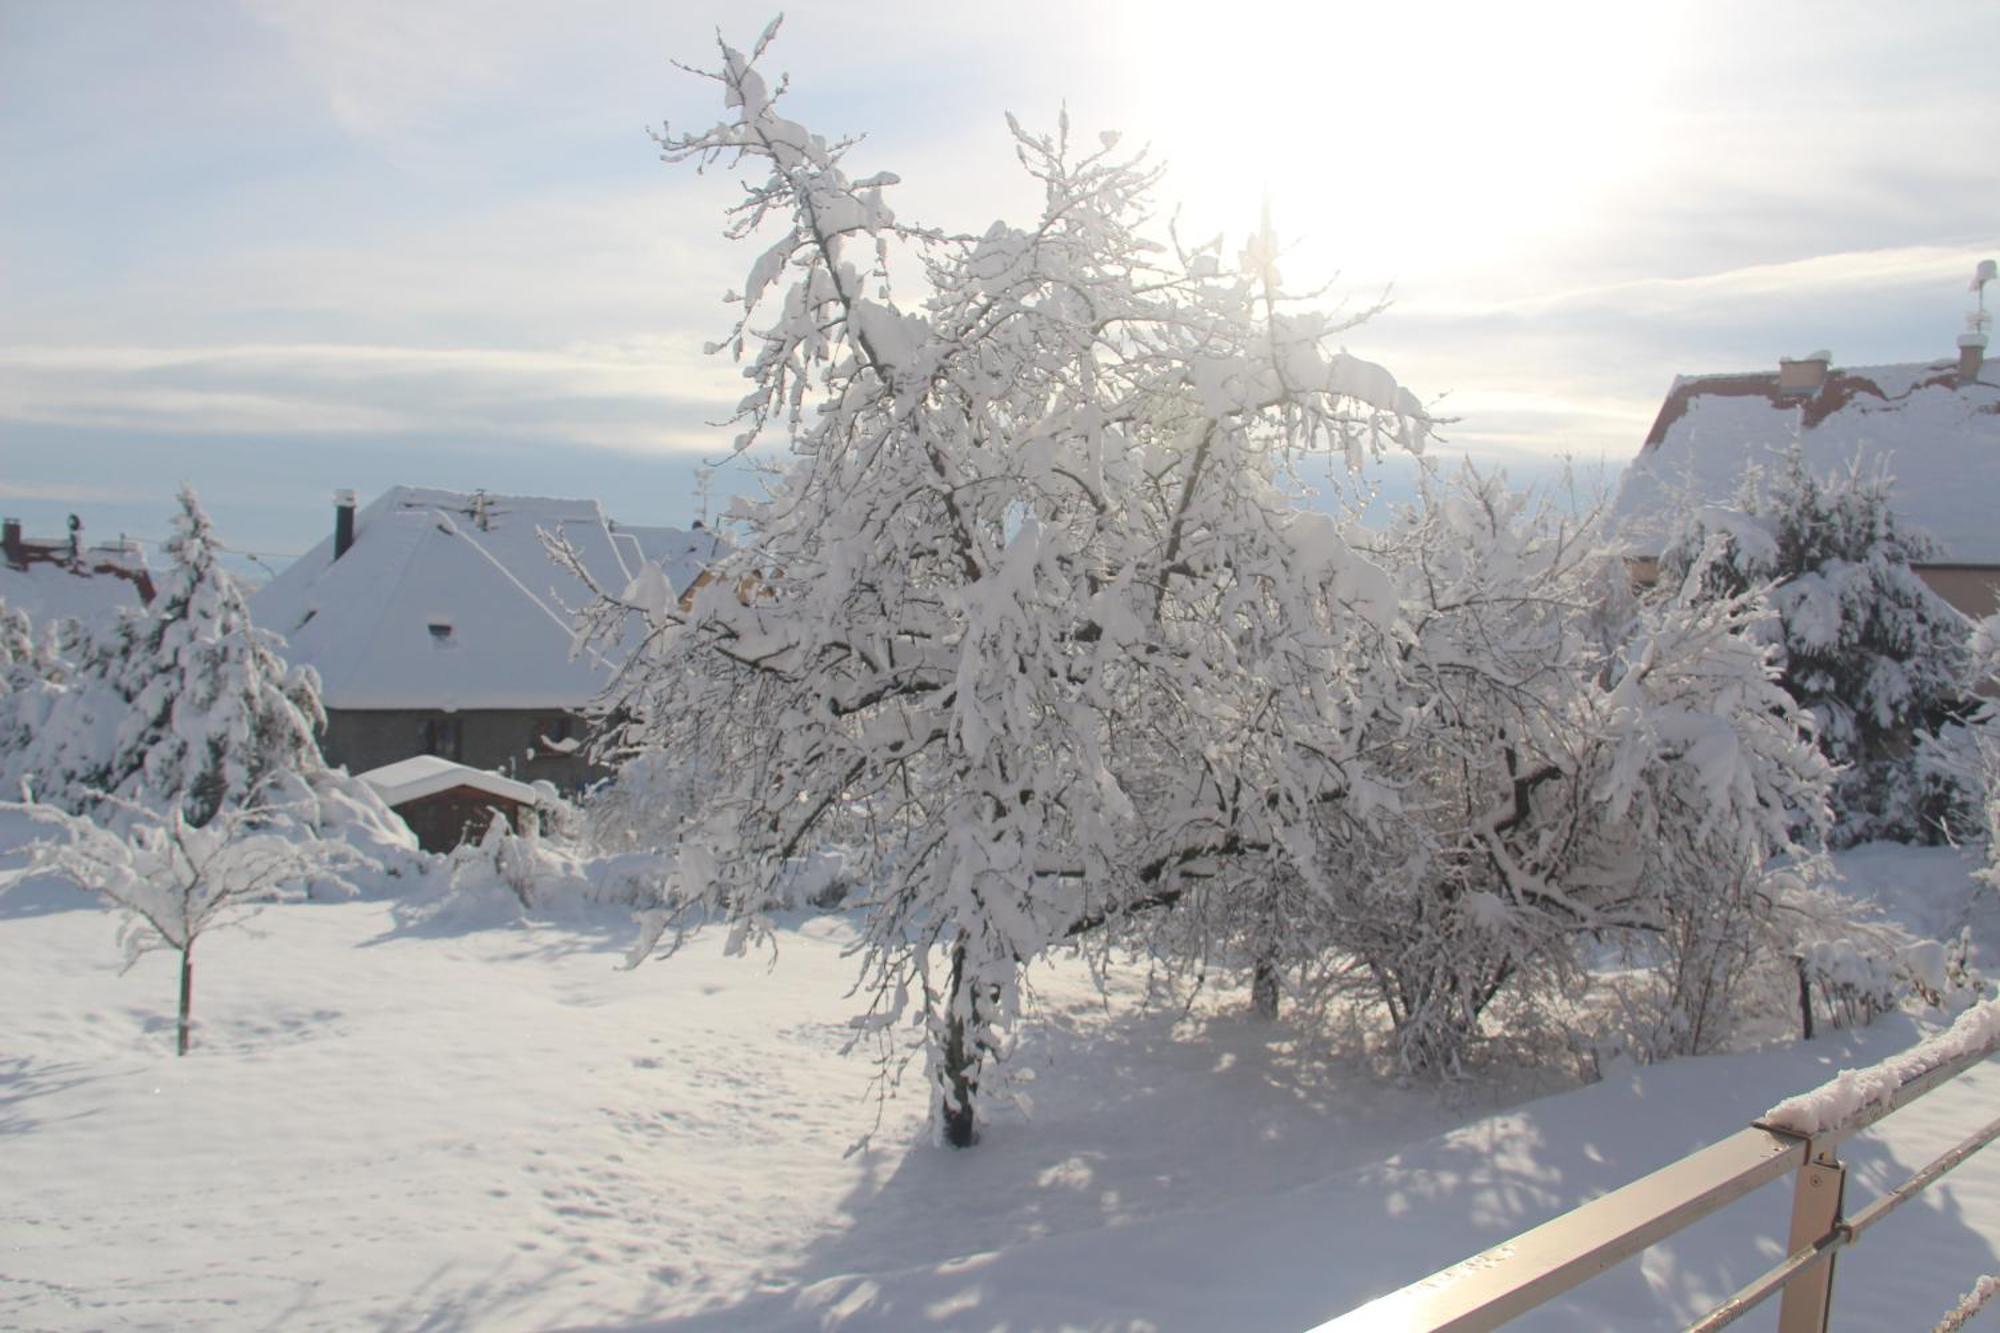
[(343, 522), (1971, 355), (1804, 375), (10, 541)]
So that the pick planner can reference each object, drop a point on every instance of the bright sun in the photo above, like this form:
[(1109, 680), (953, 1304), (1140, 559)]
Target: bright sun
[(1386, 134)]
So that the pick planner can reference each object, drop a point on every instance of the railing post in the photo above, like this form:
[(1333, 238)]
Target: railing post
[(1816, 1202)]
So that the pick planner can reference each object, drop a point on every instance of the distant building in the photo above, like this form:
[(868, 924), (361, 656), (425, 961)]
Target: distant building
[(1935, 424), (439, 625), (56, 577)]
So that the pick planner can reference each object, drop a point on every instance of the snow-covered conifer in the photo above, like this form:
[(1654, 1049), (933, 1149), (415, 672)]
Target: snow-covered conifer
[(1863, 642), (216, 715), (184, 702), (32, 672)]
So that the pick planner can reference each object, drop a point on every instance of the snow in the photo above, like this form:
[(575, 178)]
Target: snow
[(476, 564), (403, 1113), (1854, 1092), (427, 774), (1975, 1300), (676, 554), (48, 592), (1941, 441)]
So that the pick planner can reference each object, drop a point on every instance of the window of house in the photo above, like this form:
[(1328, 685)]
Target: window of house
[(441, 737), (558, 733)]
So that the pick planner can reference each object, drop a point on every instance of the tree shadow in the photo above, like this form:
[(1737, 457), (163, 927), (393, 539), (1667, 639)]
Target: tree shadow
[(1022, 1229), (25, 1081), (536, 933), (1066, 1223), (46, 896), (459, 1298)]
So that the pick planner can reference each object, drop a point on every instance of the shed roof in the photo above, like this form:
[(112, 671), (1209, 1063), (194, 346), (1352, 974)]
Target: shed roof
[(426, 775)]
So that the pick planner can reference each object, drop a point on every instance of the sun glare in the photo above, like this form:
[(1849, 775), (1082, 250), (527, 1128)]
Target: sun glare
[(1389, 134)]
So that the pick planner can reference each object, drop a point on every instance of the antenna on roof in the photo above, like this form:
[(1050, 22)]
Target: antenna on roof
[(1972, 343), (1979, 320)]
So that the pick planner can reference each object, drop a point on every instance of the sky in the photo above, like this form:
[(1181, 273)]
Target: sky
[(276, 247)]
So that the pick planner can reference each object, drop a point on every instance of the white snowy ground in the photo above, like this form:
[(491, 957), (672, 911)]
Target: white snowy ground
[(482, 1124)]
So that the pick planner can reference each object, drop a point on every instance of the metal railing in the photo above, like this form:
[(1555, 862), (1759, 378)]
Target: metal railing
[(1517, 1275)]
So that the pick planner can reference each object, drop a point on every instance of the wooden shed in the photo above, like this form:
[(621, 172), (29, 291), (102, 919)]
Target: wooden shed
[(445, 803)]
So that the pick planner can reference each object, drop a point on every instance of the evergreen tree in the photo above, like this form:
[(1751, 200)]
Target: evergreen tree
[(32, 672), (1862, 642), (184, 703)]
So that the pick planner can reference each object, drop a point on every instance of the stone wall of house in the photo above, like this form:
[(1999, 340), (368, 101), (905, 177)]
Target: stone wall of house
[(515, 742)]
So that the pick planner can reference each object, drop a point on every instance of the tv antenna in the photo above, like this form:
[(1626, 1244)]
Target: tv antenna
[(1979, 321)]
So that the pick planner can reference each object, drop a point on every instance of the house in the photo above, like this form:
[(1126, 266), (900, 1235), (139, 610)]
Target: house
[(439, 625), (1936, 426), (445, 803), (62, 577)]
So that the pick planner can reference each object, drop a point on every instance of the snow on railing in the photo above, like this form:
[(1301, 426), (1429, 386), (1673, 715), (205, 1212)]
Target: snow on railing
[(1842, 1103), (1800, 1132)]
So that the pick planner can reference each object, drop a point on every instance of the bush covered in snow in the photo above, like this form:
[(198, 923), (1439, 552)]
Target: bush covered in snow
[(1566, 766), (1863, 643)]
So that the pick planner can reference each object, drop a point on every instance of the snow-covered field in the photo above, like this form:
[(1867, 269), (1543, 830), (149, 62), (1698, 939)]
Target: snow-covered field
[(474, 1122)]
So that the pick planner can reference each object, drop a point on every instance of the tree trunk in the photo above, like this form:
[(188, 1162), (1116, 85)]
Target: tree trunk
[(1264, 988), (187, 996), (959, 1129), (1805, 1000)]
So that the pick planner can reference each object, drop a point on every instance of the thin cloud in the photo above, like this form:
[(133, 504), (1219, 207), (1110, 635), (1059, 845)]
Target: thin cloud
[(71, 493), (643, 396)]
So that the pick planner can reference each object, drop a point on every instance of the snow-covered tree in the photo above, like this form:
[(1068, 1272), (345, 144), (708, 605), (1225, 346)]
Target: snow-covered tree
[(1563, 766), (1029, 616), (175, 881), (1035, 625), (32, 672), (29, 653), (1864, 644), (184, 702)]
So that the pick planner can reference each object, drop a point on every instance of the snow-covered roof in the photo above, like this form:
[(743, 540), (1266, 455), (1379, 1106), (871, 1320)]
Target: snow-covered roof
[(449, 600), (426, 775), (1940, 438), (105, 578), (681, 555)]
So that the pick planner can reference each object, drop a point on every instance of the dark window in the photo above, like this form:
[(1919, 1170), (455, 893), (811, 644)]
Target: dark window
[(558, 733), (441, 737)]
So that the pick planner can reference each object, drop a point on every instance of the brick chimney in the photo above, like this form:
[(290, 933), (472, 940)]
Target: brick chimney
[(1805, 374), (1971, 355), (343, 522)]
